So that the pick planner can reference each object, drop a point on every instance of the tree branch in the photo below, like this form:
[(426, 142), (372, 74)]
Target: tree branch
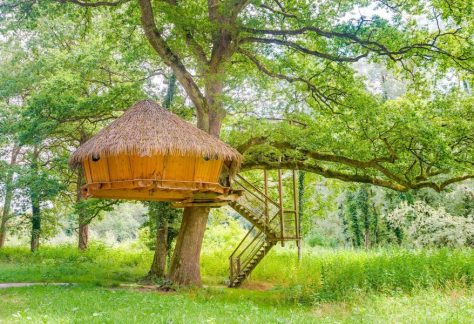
[(317, 94), (303, 49), (95, 3), (169, 57), (323, 171), (368, 44)]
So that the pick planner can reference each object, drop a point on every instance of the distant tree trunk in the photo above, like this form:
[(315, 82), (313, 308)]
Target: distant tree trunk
[(83, 220), (83, 236), (3, 230), (35, 205), (36, 223), (356, 235), (185, 264), (82, 217), (158, 267), (163, 211), (8, 197)]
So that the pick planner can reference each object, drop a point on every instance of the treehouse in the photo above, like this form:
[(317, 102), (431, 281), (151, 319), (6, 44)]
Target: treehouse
[(150, 153)]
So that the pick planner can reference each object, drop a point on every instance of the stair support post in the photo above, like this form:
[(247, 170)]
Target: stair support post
[(297, 218), (265, 190), (238, 265), (280, 202)]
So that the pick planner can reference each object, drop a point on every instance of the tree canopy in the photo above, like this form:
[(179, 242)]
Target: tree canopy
[(375, 92)]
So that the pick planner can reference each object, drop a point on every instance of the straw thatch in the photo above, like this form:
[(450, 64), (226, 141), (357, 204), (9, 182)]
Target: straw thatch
[(147, 129)]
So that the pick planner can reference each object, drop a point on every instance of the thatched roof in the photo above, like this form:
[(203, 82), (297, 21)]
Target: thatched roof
[(147, 129)]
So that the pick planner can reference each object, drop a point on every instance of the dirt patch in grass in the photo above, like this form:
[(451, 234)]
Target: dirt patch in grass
[(149, 288), (329, 309), (6, 285), (259, 286)]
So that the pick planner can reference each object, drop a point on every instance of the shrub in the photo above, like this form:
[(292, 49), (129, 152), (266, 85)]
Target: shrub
[(425, 226)]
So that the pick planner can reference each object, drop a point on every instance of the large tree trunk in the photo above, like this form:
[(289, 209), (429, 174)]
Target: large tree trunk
[(8, 197), (158, 267), (185, 264)]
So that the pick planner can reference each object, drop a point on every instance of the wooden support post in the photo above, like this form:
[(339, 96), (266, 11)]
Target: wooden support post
[(297, 213), (265, 190), (280, 202)]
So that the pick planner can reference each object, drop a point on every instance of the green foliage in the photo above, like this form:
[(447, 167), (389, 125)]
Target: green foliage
[(160, 213), (425, 226), (119, 225)]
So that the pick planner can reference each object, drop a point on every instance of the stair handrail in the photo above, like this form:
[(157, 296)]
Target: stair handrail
[(242, 241), (240, 253), (254, 246), (256, 189), (246, 260)]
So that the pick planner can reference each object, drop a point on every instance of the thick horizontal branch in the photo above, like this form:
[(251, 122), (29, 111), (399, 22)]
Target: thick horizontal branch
[(441, 186), (352, 177), (372, 171), (323, 171), (95, 3)]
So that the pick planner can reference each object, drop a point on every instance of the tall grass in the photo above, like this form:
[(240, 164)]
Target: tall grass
[(335, 275), (323, 275), (65, 263)]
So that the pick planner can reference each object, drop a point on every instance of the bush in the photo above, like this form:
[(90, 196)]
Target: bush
[(425, 226)]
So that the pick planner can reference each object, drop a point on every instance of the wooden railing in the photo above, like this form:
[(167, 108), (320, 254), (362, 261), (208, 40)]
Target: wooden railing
[(267, 211), (270, 223)]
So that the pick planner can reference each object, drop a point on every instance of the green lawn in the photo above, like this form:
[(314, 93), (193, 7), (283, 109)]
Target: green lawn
[(329, 286), (221, 305)]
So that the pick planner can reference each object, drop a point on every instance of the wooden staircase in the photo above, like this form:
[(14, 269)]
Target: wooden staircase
[(270, 224)]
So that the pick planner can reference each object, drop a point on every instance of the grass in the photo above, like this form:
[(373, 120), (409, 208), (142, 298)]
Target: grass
[(220, 305), (98, 265), (328, 286)]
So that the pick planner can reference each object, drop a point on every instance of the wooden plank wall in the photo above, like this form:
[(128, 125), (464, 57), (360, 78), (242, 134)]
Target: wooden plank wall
[(157, 167)]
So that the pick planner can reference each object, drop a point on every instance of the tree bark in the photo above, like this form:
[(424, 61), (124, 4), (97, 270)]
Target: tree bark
[(185, 264), (3, 231), (36, 224), (83, 220), (83, 234), (8, 197), (35, 206), (83, 237), (158, 267)]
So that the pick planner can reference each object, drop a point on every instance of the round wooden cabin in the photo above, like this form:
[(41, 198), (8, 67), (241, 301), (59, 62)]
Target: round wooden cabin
[(151, 154)]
